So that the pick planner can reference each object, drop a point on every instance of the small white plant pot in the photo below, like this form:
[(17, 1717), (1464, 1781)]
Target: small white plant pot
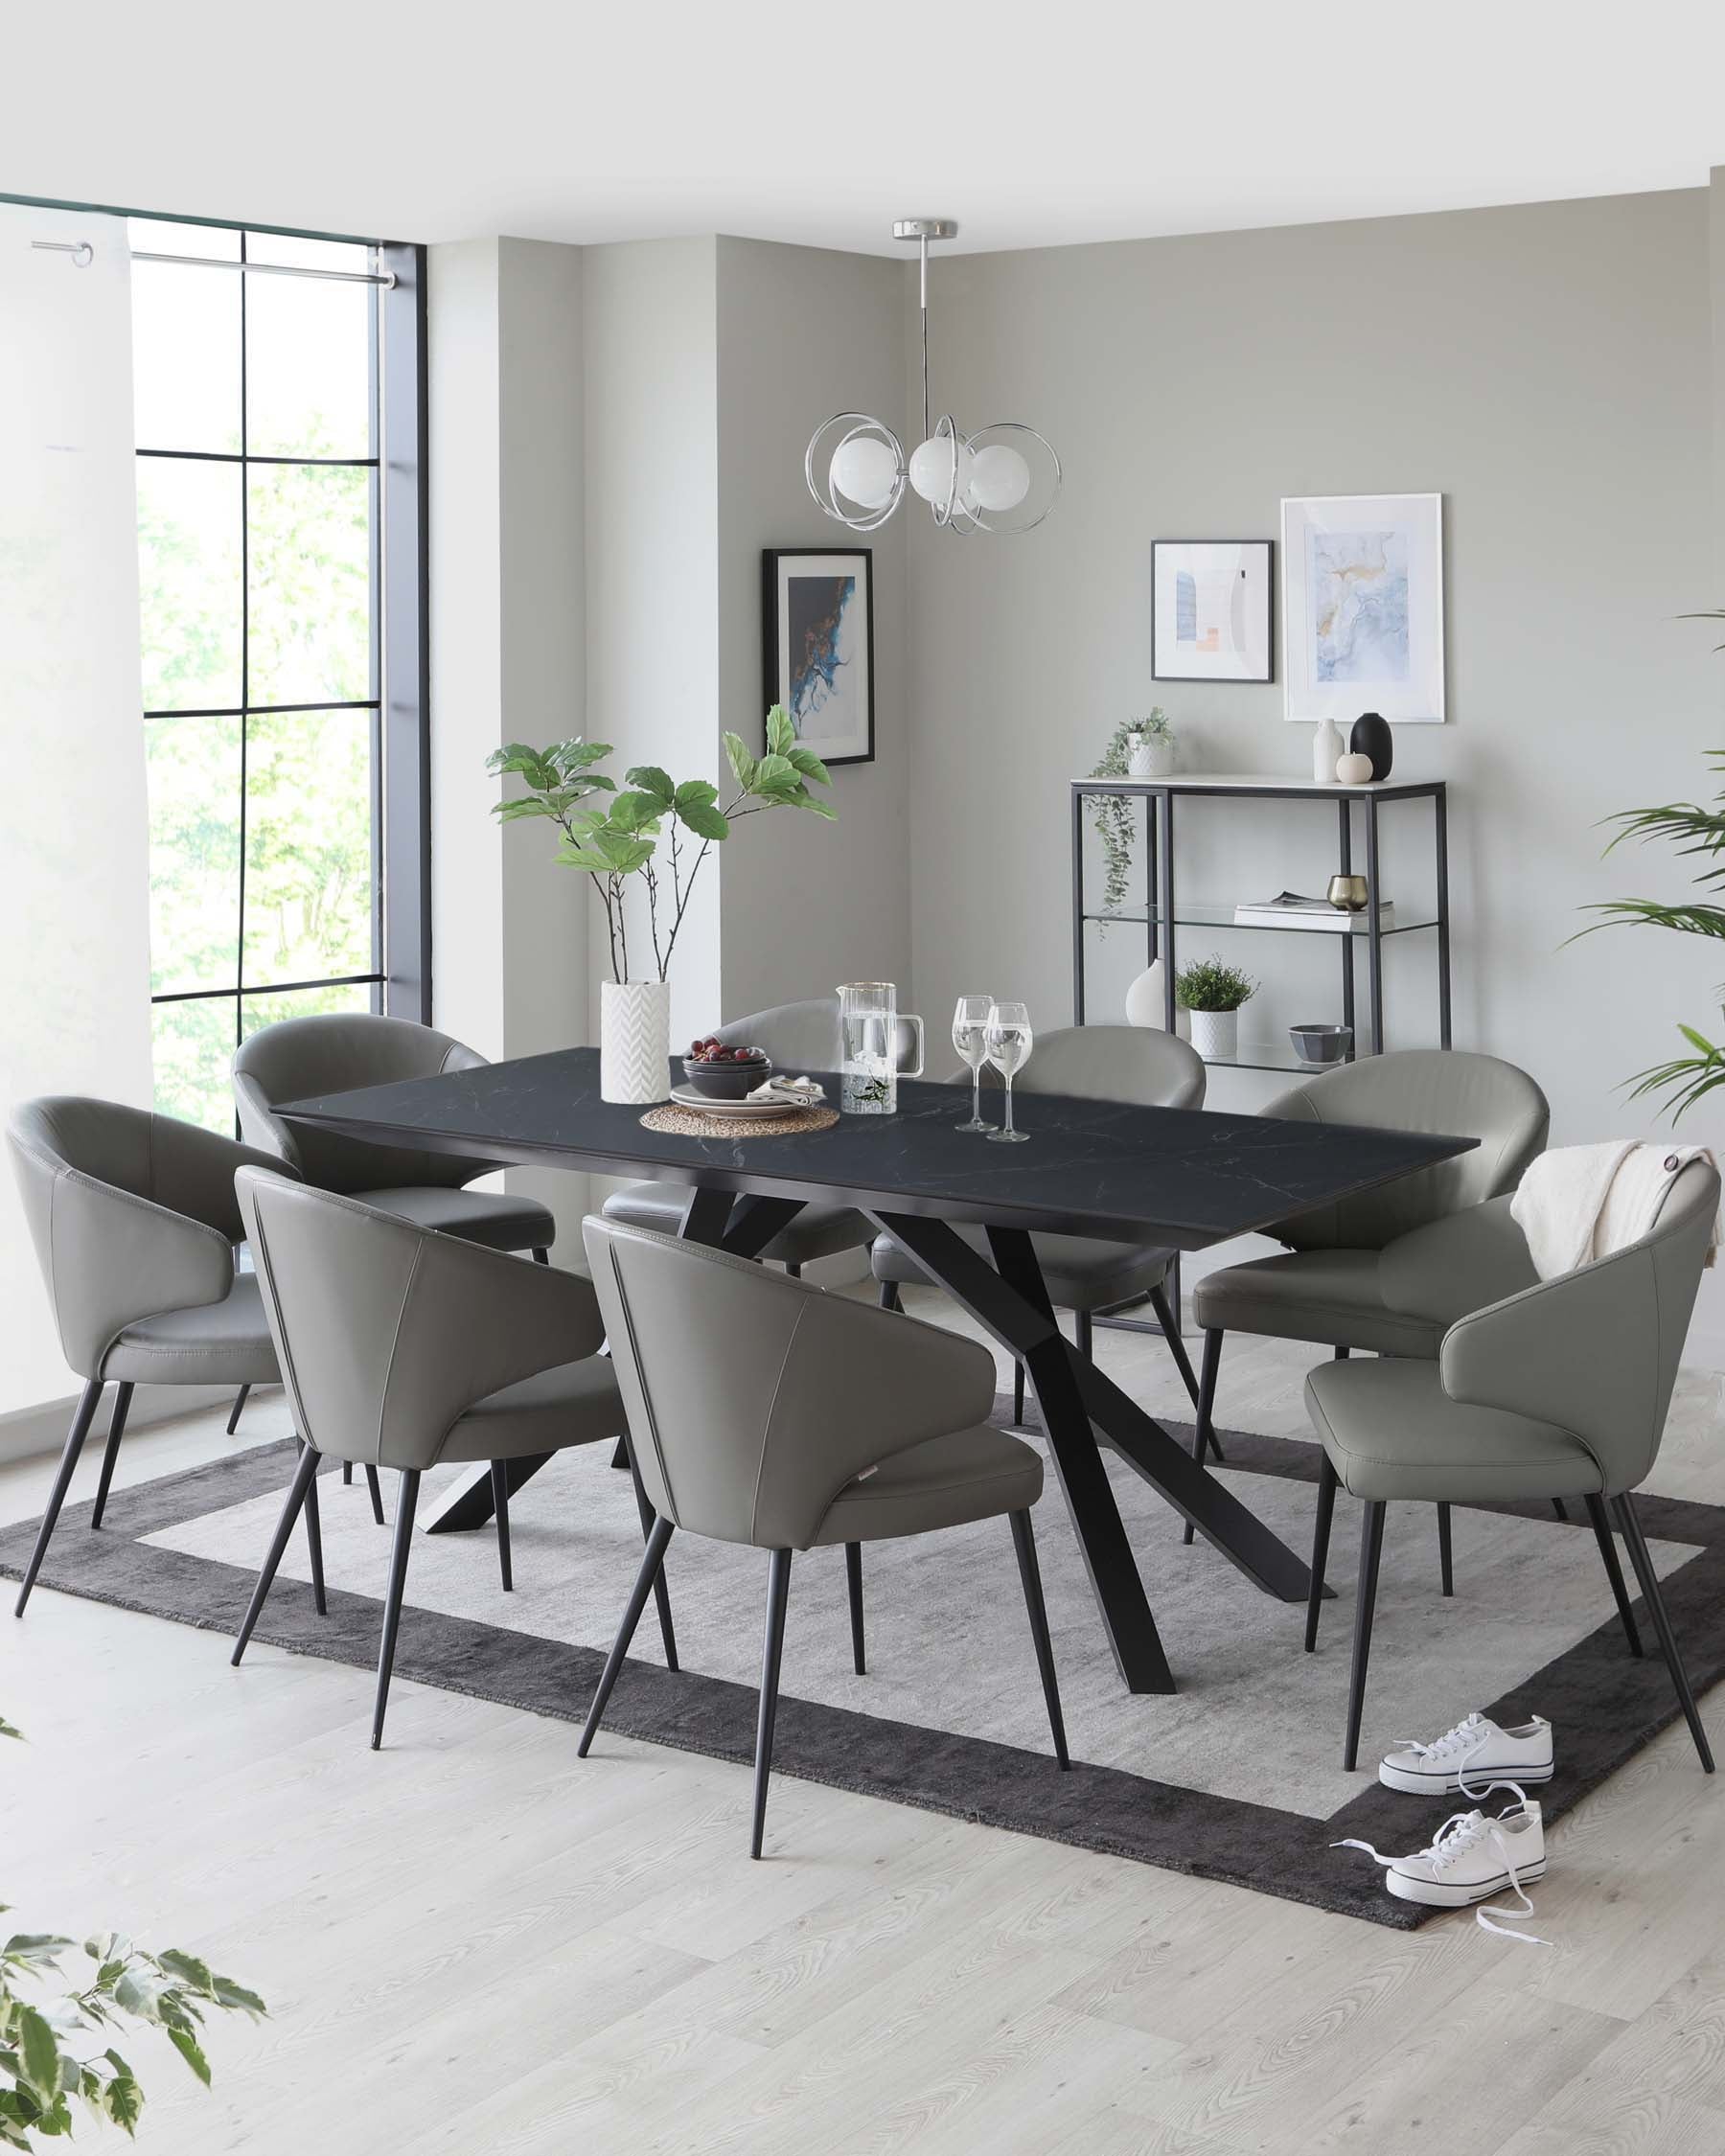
[(635, 1041), (1151, 757), (1217, 1035)]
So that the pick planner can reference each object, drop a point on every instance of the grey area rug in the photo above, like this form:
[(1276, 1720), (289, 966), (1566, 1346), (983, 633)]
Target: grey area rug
[(1235, 1777)]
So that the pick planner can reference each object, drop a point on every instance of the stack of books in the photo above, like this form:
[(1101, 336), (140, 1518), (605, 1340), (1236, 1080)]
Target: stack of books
[(1289, 910)]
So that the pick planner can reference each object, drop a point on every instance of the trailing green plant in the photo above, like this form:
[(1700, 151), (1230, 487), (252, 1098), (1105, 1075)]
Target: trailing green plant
[(619, 838), (1116, 815), (1693, 830), (1211, 984), (45, 2044)]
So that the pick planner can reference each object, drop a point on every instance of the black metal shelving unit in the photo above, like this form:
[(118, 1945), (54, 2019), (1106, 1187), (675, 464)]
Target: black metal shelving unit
[(1163, 912)]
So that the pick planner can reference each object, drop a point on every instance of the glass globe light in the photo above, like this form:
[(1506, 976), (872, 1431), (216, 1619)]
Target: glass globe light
[(932, 470), (863, 470), (999, 478)]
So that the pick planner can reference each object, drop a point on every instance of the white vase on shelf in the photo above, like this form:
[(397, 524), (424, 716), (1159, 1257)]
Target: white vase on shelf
[(1150, 756), (1217, 1035), (634, 1040), (1326, 749)]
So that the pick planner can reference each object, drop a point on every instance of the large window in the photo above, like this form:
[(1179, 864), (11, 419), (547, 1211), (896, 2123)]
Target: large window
[(258, 425)]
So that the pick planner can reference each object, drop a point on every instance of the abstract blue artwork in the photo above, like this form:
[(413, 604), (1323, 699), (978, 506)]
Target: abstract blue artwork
[(820, 648), (1363, 607), (1359, 585)]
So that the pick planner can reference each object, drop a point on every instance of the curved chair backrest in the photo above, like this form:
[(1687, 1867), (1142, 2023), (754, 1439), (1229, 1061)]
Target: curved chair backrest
[(1137, 1063), (753, 1398), (333, 1053), (1441, 1091), (1596, 1350), (387, 1333), (130, 1214), (802, 1036)]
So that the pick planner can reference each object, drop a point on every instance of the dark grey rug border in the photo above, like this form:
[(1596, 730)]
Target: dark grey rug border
[(1608, 1705)]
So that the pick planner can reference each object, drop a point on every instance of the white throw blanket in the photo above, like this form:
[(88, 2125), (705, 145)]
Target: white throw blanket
[(1583, 1201)]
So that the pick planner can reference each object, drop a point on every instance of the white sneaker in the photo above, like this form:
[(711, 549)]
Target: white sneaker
[(1469, 1857), (1471, 1758)]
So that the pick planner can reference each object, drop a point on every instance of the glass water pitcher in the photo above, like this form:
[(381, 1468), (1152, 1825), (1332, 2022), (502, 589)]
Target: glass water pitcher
[(870, 1040)]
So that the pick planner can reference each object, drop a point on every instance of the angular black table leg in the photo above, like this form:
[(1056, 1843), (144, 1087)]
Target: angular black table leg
[(1013, 1304), (744, 1226)]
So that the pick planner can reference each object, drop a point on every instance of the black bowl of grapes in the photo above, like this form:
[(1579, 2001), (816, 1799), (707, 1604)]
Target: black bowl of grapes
[(721, 1073)]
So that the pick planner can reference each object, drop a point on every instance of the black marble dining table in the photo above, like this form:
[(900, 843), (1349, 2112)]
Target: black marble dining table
[(1184, 1179)]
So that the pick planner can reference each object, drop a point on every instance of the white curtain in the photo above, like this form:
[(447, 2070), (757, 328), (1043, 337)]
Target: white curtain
[(74, 823)]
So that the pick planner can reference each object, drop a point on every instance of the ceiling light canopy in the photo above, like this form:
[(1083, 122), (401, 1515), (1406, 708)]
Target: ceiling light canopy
[(1004, 477)]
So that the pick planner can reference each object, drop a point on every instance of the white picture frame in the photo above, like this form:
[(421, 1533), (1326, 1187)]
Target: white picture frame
[(1363, 607), (1211, 614)]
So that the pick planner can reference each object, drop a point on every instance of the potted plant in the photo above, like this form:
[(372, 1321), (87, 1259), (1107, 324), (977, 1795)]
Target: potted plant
[(1213, 992), (1137, 749), (619, 838)]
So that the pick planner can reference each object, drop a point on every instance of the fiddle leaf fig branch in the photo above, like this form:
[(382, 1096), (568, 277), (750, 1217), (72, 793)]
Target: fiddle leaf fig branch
[(622, 837)]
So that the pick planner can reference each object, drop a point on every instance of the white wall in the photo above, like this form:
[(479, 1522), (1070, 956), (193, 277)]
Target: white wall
[(73, 818)]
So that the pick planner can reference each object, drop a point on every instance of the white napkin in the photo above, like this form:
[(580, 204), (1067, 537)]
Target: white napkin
[(792, 1092), (1582, 1202)]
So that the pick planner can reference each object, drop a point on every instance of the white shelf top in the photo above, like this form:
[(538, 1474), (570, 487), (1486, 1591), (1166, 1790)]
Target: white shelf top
[(1277, 780)]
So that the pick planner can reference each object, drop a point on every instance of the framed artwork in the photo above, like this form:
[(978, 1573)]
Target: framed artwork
[(819, 639), (1209, 615), (1363, 607)]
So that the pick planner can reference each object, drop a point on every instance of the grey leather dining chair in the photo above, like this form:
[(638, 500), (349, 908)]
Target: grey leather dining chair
[(1559, 1390), (1373, 1272), (1141, 1065), (765, 1412), (136, 1226), (404, 1347), (334, 1052), (800, 1038)]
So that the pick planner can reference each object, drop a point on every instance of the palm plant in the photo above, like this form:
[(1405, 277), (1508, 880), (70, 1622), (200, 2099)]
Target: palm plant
[(1694, 829)]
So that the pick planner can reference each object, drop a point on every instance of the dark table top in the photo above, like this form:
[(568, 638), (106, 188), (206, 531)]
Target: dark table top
[(1184, 1177)]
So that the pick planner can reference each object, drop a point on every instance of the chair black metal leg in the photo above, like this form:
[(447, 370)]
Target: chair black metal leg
[(1320, 1535), (376, 1494), (1084, 1334), (540, 1255), (1023, 1541), (406, 1498), (1371, 1547), (305, 1468), (1559, 1509), (778, 1594), (1176, 1348), (314, 1543), (888, 1296), (347, 1471), (657, 1537), (82, 1416), (620, 1453), (1446, 1555), (1613, 1572), (1018, 1395), (853, 1580), (123, 1394), (661, 1587), (500, 1507), (793, 1270), (1651, 1594), (1204, 1424), (240, 1400)]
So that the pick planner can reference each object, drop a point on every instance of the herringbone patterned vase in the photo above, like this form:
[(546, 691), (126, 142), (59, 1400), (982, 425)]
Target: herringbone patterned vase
[(634, 1040)]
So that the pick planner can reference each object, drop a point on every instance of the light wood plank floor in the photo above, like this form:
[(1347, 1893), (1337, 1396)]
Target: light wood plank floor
[(471, 1942)]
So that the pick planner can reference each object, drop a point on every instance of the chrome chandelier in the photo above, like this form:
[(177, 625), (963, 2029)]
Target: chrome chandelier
[(856, 469)]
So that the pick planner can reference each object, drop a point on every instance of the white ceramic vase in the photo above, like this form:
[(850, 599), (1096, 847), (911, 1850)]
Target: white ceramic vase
[(1216, 1033), (1327, 746), (1152, 756), (634, 1040)]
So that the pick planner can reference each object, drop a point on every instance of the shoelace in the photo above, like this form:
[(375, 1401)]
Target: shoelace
[(1460, 1832), (1469, 1737)]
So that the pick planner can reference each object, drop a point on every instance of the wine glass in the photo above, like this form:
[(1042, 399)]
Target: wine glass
[(969, 1036), (1009, 1043)]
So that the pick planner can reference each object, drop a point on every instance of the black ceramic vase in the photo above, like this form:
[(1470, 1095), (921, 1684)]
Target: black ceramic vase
[(1372, 737)]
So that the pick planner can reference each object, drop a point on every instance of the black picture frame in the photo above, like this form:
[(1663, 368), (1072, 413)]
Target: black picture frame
[(1160, 641), (855, 743)]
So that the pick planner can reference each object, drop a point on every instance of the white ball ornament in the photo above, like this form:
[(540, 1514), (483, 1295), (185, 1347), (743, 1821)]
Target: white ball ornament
[(999, 478), (1353, 771), (932, 470), (864, 470)]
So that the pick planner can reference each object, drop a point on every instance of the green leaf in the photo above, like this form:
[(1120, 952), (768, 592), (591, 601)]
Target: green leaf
[(621, 853), (781, 734), (7, 1729), (775, 771), (576, 754), (238, 1999), (121, 2099), (704, 818), (652, 780), (636, 812), (190, 2050), (584, 857), (188, 1969), (741, 763), (697, 792), (38, 2054), (517, 756), (810, 766), (34, 1949), (823, 809), (530, 805)]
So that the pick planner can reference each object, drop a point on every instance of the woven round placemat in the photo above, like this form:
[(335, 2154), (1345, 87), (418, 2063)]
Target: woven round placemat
[(691, 1122)]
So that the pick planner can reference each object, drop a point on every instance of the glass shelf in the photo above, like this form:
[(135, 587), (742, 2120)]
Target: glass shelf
[(1270, 1055), (1190, 916)]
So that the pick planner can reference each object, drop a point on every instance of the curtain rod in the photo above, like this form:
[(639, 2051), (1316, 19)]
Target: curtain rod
[(82, 254)]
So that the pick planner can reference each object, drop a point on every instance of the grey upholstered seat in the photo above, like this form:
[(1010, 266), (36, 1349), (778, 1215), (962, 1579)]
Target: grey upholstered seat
[(1559, 1390), (403, 1347), (336, 1051), (135, 1225), (1085, 1274), (765, 1412), (800, 1038)]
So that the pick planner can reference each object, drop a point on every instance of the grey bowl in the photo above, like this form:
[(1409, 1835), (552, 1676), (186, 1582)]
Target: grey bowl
[(1321, 1044), (726, 1081)]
